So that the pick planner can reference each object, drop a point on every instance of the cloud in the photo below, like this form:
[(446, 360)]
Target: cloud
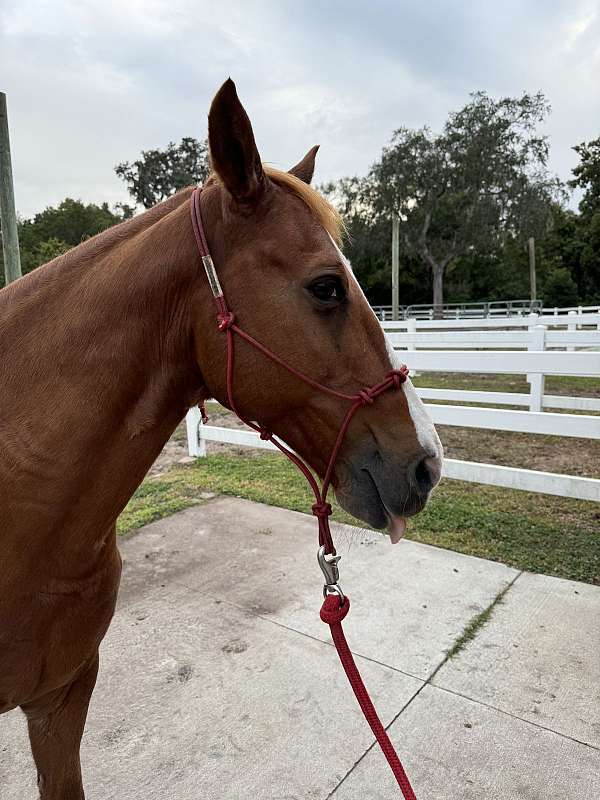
[(92, 84)]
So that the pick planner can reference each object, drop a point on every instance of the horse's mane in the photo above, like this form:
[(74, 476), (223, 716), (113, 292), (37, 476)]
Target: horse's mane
[(324, 212)]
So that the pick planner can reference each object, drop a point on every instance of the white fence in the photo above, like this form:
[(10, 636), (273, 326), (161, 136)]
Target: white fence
[(500, 308), (523, 352), (572, 321)]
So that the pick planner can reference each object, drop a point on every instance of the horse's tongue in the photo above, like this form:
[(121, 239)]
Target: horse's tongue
[(396, 528)]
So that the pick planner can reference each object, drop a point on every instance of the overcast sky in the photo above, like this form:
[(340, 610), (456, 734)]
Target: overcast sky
[(90, 84)]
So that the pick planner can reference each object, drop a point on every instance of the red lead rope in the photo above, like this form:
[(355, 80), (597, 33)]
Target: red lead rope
[(336, 605)]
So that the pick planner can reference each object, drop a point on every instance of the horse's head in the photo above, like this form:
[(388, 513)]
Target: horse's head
[(274, 241)]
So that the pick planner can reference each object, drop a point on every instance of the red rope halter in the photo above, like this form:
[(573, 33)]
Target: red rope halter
[(336, 605)]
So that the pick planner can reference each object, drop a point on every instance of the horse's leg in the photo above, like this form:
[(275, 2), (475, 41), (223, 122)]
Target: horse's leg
[(56, 725)]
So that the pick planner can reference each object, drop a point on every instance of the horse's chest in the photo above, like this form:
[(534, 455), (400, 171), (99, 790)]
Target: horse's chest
[(46, 635)]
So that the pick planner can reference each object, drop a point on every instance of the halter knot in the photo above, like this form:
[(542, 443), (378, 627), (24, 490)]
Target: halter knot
[(225, 320), (265, 435), (366, 397), (322, 509), (398, 376)]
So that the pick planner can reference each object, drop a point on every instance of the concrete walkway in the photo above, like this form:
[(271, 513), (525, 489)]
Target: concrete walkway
[(218, 680)]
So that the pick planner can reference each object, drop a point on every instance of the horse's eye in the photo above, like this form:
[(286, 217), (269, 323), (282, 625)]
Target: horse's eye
[(328, 290)]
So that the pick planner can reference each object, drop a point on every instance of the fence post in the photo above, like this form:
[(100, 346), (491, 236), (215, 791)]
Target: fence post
[(532, 321), (536, 380), (8, 217), (395, 266), (193, 425), (411, 327), (572, 326)]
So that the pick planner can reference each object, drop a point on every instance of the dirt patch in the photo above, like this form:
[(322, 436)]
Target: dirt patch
[(527, 451), (174, 452)]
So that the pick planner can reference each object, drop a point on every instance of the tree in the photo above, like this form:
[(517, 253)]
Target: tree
[(367, 247), (463, 191), (560, 289), (587, 176), (43, 252), (159, 173), (71, 221), (56, 229)]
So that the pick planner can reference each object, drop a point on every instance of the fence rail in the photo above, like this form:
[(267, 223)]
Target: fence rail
[(571, 321), (508, 362), (483, 310), (510, 399), (472, 471)]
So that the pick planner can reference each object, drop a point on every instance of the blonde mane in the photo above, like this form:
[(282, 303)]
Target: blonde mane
[(321, 208)]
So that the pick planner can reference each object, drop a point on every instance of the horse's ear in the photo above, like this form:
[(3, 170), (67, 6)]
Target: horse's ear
[(305, 169), (233, 151)]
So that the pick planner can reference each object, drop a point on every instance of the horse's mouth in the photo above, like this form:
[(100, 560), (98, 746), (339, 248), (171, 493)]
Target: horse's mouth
[(396, 528), (370, 502), (396, 523)]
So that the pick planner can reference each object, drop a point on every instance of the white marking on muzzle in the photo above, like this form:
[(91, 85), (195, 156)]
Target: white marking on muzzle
[(426, 433), (424, 427)]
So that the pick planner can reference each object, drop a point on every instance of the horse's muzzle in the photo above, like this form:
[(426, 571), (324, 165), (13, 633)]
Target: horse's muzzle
[(382, 490)]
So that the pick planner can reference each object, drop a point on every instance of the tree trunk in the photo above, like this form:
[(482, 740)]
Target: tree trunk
[(438, 290)]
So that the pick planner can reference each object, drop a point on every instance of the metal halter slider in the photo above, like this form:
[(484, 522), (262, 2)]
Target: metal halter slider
[(329, 568), (211, 274)]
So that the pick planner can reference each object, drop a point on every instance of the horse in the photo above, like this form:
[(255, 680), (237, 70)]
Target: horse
[(106, 348)]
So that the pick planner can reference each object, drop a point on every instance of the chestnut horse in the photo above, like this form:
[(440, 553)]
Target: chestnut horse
[(104, 350)]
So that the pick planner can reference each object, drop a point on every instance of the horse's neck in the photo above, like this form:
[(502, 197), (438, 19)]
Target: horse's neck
[(98, 370)]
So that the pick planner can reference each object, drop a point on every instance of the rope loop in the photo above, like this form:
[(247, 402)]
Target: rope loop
[(333, 611), (398, 376), (225, 320), (322, 509), (366, 398)]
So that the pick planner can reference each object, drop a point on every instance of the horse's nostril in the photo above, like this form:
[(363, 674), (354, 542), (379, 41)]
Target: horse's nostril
[(423, 475)]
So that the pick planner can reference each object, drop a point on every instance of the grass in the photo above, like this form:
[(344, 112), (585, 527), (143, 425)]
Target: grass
[(472, 628), (157, 498), (551, 535)]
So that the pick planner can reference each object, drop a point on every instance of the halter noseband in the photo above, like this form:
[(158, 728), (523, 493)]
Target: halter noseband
[(336, 605)]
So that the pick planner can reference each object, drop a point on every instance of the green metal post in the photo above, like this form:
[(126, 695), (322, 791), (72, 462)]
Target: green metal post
[(395, 268), (8, 217)]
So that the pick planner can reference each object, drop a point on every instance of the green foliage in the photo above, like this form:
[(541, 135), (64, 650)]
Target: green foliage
[(368, 250), (587, 175), (56, 229), (159, 173), (71, 221), (42, 253), (572, 243), (590, 260), (560, 289)]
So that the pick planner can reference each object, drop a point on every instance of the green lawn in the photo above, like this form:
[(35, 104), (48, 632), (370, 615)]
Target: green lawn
[(552, 535)]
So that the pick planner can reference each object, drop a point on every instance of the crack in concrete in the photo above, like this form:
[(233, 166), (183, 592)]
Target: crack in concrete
[(467, 635)]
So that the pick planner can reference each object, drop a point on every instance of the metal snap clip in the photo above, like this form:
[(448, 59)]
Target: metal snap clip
[(329, 567)]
